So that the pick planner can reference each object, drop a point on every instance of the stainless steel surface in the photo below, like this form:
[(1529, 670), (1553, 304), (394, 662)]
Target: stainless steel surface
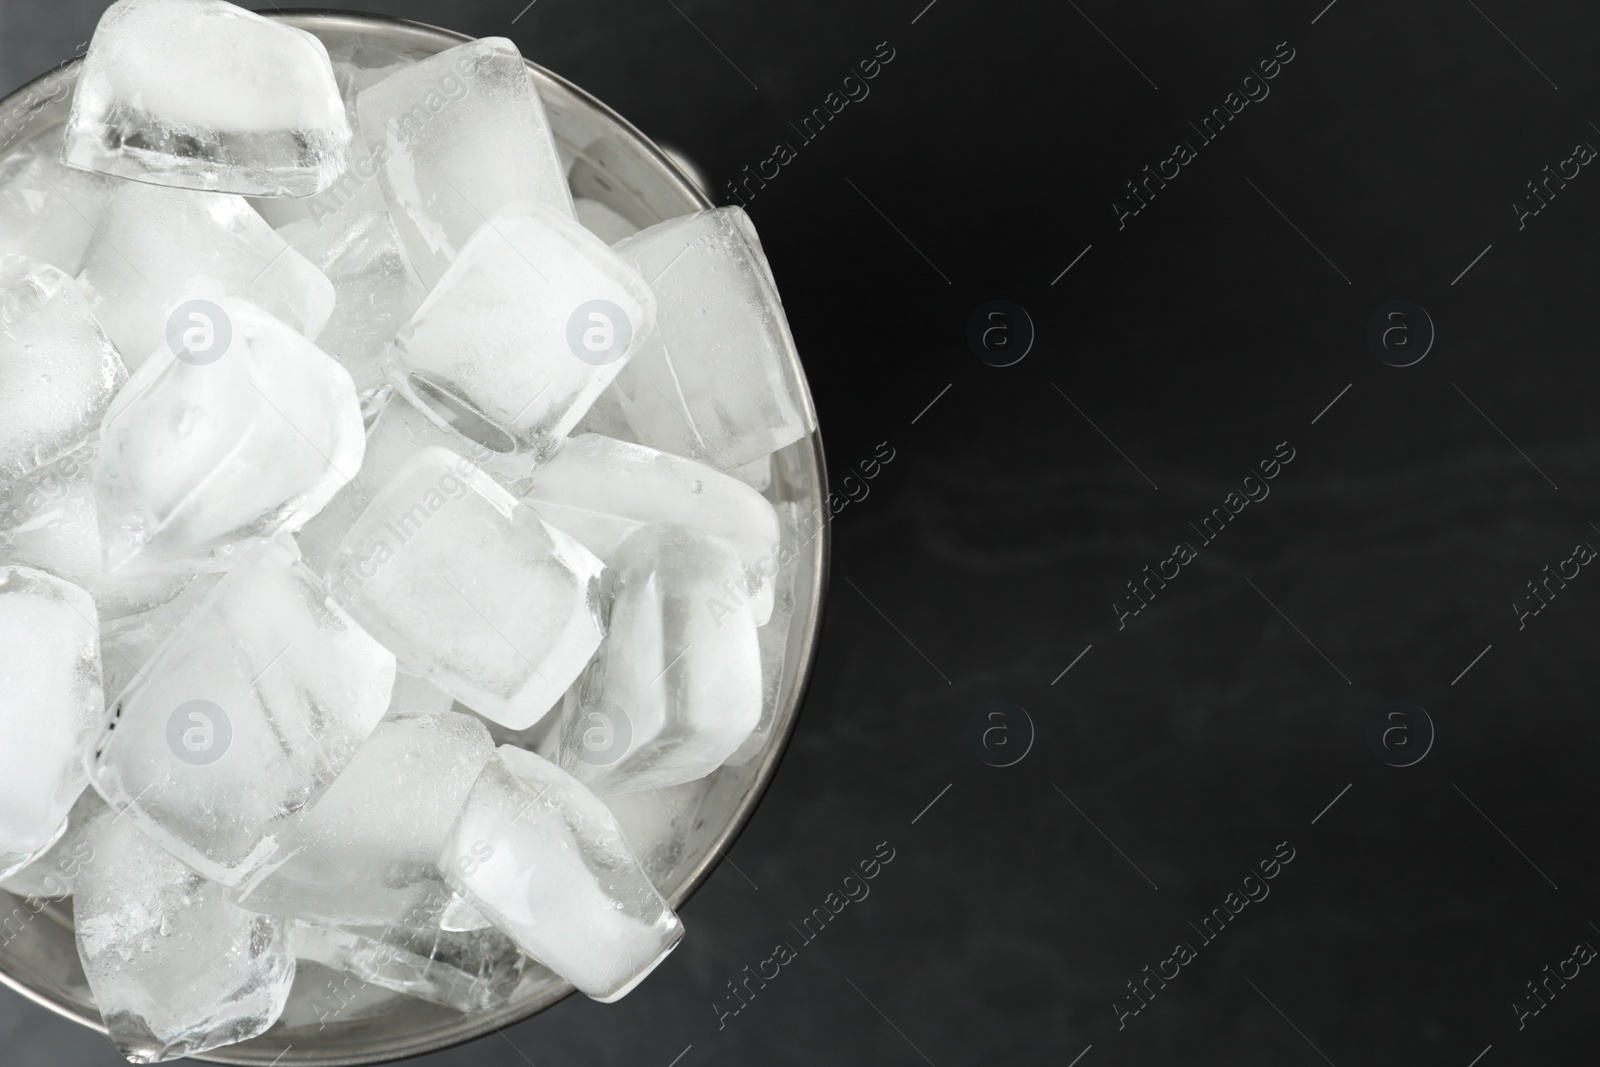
[(613, 163)]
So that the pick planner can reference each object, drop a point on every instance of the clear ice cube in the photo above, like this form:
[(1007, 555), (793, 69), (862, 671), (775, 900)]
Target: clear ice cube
[(201, 94), (545, 861), (244, 717), (241, 439), (399, 432), (371, 841), (58, 371), (677, 686), (456, 138), (49, 211), (470, 589), (714, 382), (601, 490), (532, 321), (159, 250), (472, 972), (377, 289), (51, 703), (175, 968)]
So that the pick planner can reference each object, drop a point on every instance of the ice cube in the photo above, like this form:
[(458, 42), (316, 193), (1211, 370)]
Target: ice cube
[(49, 521), (661, 826), (775, 635), (249, 436), (714, 383), (544, 860), (456, 138), (399, 432), (470, 972), (377, 289), (247, 713), (471, 589), (531, 322), (677, 686), (50, 706), (600, 490), (201, 94), (460, 917), (175, 968), (159, 249), (49, 211), (128, 642), (602, 221), (357, 65), (53, 875), (58, 372), (371, 841)]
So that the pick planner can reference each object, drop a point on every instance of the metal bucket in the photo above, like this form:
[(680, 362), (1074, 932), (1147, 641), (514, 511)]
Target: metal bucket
[(617, 165)]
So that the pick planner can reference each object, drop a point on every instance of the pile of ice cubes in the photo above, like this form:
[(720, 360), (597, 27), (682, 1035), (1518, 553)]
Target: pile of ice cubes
[(331, 631)]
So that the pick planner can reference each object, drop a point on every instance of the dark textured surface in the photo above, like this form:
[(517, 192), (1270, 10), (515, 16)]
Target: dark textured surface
[(1180, 751)]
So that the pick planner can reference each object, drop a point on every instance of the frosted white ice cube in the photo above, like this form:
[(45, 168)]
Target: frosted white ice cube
[(544, 860), (677, 686), (371, 841), (53, 875), (247, 436), (456, 138), (714, 382), (531, 322), (201, 94), (242, 719), (48, 211), (58, 371), (399, 431), (175, 968), (471, 589), (600, 490), (471, 972), (602, 221), (50, 706), (159, 249)]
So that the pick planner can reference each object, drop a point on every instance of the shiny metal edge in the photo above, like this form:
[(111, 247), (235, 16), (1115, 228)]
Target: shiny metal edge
[(426, 36)]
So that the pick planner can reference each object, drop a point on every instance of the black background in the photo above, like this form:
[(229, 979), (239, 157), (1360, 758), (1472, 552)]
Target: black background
[(1178, 751)]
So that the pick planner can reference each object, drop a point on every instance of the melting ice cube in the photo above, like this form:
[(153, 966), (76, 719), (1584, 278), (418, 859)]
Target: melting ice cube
[(714, 382), (249, 432), (532, 321), (159, 250), (248, 712), (50, 703), (372, 839), (471, 589), (456, 138), (545, 861), (202, 94), (175, 968), (677, 687), (58, 372)]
